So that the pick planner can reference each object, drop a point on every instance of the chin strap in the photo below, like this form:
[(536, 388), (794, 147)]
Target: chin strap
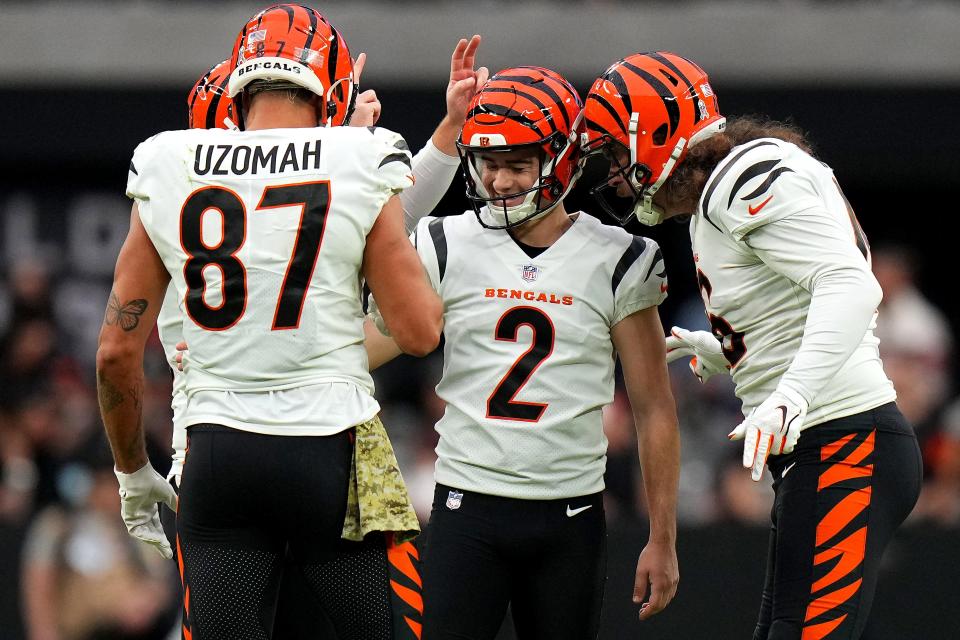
[(646, 212)]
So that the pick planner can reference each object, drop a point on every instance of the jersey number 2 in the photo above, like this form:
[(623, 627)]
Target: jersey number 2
[(314, 201), (501, 403)]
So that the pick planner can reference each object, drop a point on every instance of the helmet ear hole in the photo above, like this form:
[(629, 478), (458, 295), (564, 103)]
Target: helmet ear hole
[(558, 142), (660, 135)]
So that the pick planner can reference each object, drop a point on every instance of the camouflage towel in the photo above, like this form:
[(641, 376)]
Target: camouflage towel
[(377, 498)]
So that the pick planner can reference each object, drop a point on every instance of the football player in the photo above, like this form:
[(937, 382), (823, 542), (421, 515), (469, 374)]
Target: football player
[(784, 272), (433, 169), (278, 386), (538, 302)]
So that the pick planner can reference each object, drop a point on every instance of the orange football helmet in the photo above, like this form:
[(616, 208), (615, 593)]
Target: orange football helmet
[(208, 105), (654, 106), (518, 108), (293, 44)]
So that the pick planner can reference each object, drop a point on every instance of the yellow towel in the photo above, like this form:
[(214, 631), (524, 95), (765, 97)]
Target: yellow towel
[(377, 498)]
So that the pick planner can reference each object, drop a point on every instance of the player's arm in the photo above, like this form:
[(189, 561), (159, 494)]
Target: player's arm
[(814, 250), (638, 339), (436, 164), (381, 349), (139, 283), (411, 310)]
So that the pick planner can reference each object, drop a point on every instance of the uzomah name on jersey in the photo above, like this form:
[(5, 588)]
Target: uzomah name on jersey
[(532, 296), (228, 159)]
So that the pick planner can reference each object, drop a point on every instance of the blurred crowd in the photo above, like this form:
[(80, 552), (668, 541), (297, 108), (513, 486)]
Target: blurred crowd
[(81, 577)]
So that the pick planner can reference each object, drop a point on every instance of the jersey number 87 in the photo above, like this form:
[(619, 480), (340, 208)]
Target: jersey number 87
[(314, 201)]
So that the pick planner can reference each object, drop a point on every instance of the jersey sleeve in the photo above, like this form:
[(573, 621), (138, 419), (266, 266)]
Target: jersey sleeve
[(433, 171), (137, 182), (765, 182), (429, 239), (393, 162), (812, 250), (639, 279)]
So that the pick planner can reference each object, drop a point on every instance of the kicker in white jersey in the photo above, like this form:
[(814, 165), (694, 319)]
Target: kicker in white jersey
[(262, 233), (758, 306), (528, 358)]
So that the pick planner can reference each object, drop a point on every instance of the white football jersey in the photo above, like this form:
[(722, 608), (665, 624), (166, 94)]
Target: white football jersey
[(170, 330), (528, 358), (757, 305), (263, 234)]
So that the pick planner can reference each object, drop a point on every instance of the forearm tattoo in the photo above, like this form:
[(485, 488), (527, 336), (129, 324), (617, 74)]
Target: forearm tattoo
[(108, 394), (125, 315)]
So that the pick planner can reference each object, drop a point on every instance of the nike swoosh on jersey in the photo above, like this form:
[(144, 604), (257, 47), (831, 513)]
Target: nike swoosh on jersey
[(754, 210), (786, 469), (573, 512)]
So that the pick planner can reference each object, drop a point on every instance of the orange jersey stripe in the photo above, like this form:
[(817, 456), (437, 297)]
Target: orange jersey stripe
[(831, 601), (842, 514), (832, 448), (409, 596), (416, 627), (822, 630), (401, 556), (851, 552)]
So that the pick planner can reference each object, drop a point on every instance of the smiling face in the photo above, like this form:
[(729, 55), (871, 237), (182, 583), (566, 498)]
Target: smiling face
[(509, 172)]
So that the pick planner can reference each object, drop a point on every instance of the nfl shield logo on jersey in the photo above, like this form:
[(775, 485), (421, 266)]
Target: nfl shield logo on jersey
[(530, 272), (454, 498)]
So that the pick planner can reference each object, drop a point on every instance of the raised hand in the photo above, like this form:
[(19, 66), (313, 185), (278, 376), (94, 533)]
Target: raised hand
[(464, 80), (367, 107)]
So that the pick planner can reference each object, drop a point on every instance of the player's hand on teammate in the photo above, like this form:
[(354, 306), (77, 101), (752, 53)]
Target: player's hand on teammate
[(140, 492), (366, 110), (705, 351), (180, 360), (657, 576), (770, 429), (464, 80)]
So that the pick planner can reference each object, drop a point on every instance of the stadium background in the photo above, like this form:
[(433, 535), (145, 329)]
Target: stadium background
[(876, 85)]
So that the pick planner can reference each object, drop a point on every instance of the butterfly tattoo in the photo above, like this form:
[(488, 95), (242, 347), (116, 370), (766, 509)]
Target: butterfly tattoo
[(127, 315)]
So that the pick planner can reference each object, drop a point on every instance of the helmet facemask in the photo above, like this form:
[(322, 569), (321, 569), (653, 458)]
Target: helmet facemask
[(620, 184), (538, 200)]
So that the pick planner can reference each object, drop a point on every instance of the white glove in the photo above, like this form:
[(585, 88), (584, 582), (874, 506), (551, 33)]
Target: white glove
[(771, 429), (140, 492), (373, 312), (708, 358)]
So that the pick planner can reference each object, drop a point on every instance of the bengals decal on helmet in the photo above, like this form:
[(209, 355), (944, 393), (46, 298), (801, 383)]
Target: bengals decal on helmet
[(522, 108), (208, 105), (294, 44), (652, 106)]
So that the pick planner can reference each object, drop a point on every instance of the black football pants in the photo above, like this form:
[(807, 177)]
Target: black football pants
[(840, 495), (545, 558), (253, 506)]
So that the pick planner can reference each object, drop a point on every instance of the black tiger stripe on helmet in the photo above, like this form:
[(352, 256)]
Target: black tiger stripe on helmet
[(523, 107), (208, 106), (291, 33), (655, 105)]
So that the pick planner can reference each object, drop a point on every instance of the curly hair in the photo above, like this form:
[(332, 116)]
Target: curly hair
[(690, 177)]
